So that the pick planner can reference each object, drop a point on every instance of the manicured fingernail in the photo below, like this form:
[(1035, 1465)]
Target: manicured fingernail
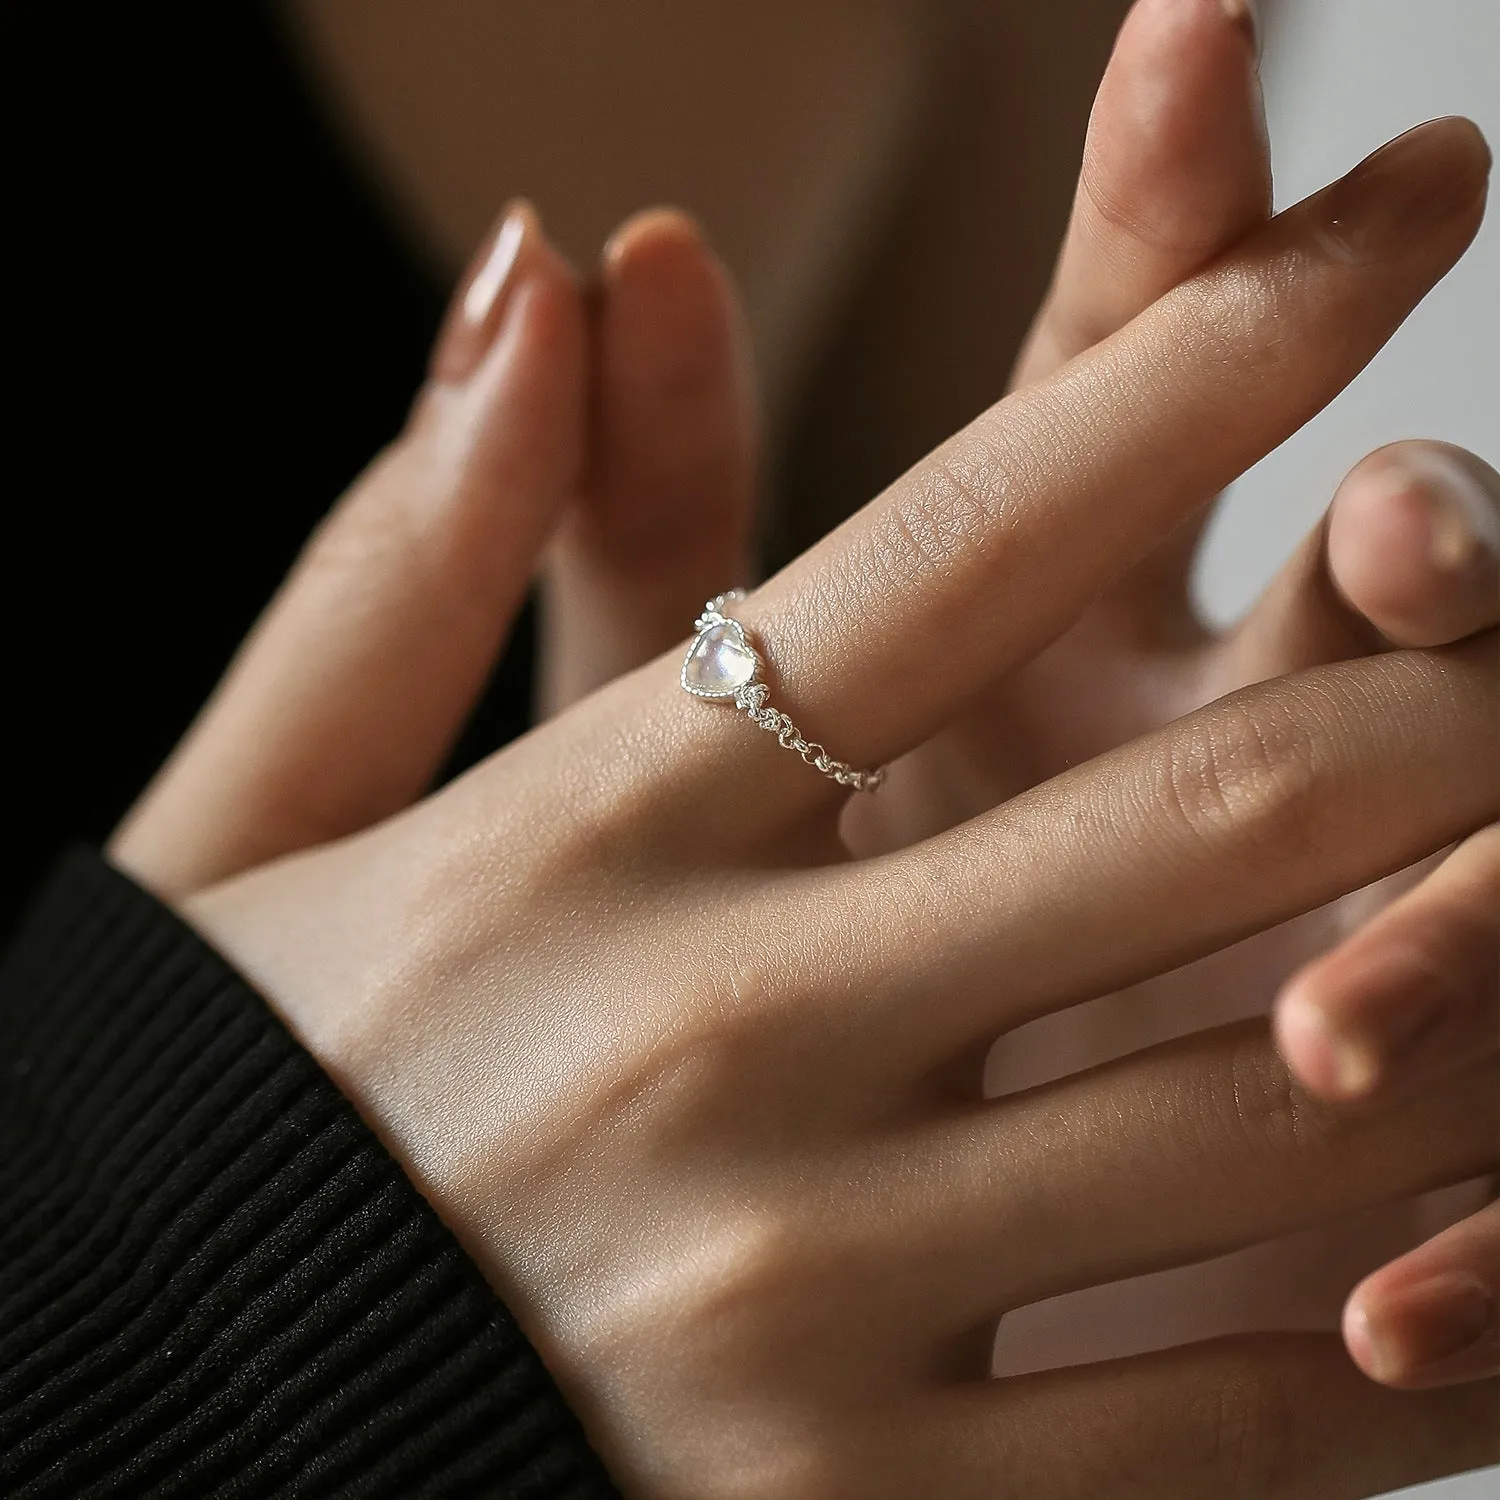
[(494, 271), (477, 310), (1431, 1329), (1395, 199), (1246, 15)]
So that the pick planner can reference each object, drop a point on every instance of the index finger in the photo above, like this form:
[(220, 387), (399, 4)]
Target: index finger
[(994, 544)]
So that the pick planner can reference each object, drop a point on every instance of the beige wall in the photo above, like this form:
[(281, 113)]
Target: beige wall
[(1342, 76)]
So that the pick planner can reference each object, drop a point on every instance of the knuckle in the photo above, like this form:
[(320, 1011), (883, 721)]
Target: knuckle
[(932, 520), (1241, 319), (1188, 232), (1242, 777), (1265, 1109), (1252, 1446), (956, 506), (741, 1286), (777, 1458)]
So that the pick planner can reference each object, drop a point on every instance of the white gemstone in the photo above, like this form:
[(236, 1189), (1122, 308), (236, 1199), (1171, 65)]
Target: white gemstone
[(719, 663)]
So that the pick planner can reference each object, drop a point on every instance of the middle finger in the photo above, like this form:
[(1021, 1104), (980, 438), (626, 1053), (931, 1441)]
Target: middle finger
[(992, 546)]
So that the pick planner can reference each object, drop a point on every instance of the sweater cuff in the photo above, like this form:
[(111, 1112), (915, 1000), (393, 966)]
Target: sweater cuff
[(214, 1279)]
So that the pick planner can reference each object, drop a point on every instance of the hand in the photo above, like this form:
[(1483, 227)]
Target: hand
[(1414, 545), (1415, 994), (1412, 997), (1176, 171), (702, 1095), (589, 431)]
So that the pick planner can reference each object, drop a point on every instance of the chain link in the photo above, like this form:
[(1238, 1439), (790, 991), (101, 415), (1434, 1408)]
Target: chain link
[(751, 700)]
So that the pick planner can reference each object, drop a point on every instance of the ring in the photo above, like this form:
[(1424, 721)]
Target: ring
[(722, 665)]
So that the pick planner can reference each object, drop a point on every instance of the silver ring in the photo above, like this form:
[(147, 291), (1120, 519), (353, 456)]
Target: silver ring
[(723, 666)]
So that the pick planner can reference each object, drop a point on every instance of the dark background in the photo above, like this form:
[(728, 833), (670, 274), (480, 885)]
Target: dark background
[(218, 324), (219, 329)]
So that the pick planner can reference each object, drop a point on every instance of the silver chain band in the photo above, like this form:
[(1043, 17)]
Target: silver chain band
[(751, 697)]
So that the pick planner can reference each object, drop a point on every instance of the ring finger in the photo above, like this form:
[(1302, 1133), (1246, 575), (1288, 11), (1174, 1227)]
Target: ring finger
[(991, 547)]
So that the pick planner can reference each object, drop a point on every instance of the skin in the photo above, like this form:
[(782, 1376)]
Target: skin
[(718, 1137)]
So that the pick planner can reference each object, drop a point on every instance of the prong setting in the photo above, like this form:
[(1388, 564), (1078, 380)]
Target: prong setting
[(722, 665)]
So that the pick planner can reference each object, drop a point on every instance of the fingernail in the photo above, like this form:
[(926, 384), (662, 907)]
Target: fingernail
[(1431, 1328), (1395, 199), (1356, 1068), (1464, 538), (1246, 15), (1332, 1064), (476, 312), (1405, 1005)]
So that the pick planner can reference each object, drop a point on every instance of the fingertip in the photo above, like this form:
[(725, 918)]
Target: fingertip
[(1414, 543), (1322, 1061), (676, 407), (539, 362), (1178, 144), (1246, 15), (1359, 1337), (507, 447), (1468, 142), (666, 293), (653, 236), (1413, 1326), (546, 365), (1176, 168), (1190, 24), (516, 254)]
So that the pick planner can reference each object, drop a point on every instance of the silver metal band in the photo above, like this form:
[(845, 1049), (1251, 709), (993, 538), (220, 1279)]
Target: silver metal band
[(723, 665)]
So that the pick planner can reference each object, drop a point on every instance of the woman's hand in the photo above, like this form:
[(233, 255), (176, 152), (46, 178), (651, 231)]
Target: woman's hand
[(1412, 998), (1176, 171), (1414, 995), (703, 1096), (611, 434)]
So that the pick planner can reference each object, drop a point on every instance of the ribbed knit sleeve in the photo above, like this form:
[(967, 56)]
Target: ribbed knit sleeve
[(214, 1280)]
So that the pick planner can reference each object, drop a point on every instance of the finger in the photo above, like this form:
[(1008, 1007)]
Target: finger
[(666, 510), (1414, 544), (1282, 1415), (1409, 555), (1176, 168), (1429, 1319), (344, 701), (1120, 1171), (1231, 820), (1413, 994), (994, 545)]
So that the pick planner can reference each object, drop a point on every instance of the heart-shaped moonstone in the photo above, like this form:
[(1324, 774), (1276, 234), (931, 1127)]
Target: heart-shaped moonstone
[(719, 663)]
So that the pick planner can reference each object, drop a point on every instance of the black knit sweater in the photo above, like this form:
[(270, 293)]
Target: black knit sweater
[(214, 1280)]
